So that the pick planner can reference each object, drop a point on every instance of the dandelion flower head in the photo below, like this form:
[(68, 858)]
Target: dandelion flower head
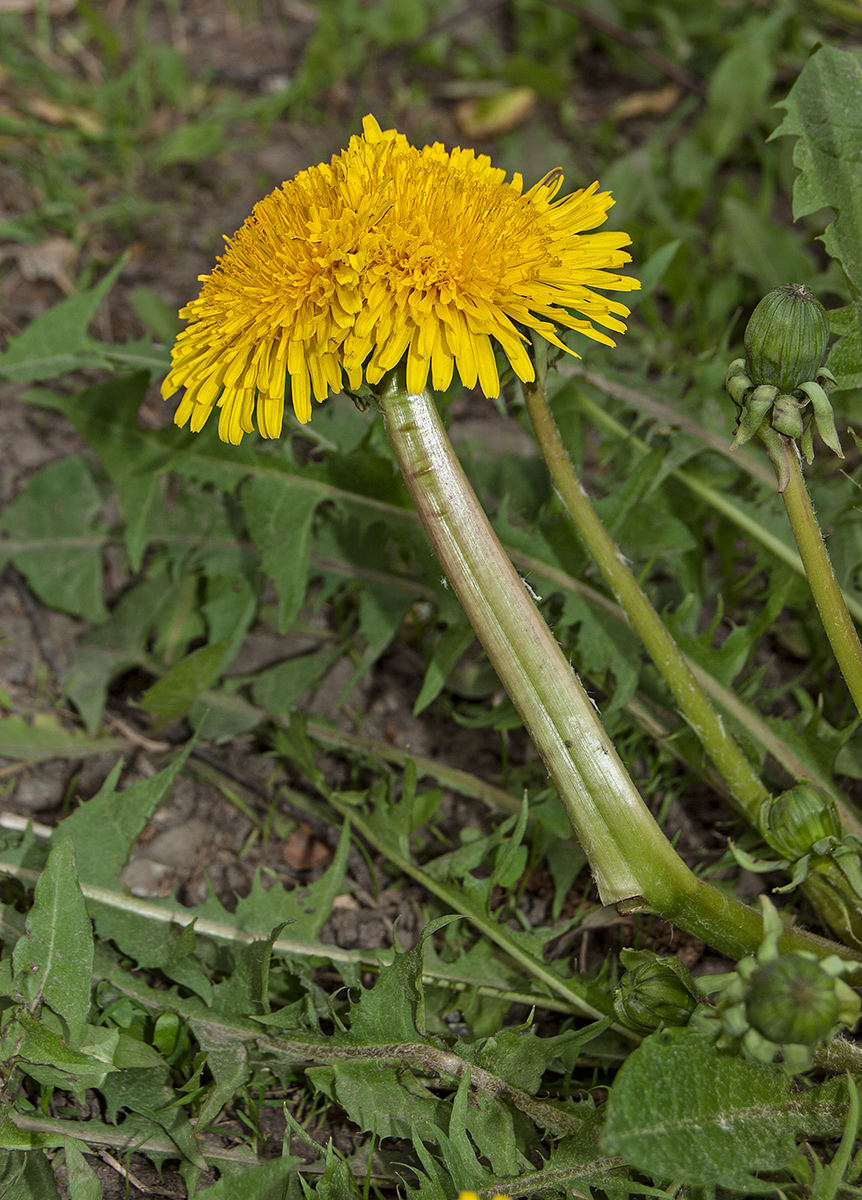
[(388, 252)]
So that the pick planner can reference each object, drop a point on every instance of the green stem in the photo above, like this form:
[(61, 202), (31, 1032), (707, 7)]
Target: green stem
[(634, 865), (716, 499), (818, 566), (743, 781)]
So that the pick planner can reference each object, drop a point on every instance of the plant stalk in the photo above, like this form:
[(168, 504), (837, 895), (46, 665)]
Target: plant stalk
[(634, 865), (837, 621), (745, 785)]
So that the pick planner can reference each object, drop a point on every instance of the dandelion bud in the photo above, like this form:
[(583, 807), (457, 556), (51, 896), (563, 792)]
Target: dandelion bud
[(654, 991), (786, 338), (796, 820), (793, 1000)]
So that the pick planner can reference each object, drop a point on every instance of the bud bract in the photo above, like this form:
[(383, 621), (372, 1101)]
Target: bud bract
[(786, 338)]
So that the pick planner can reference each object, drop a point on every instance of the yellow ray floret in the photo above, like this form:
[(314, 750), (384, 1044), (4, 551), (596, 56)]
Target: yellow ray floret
[(385, 252)]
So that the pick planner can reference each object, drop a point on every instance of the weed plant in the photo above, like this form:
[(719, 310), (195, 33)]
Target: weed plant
[(490, 1056)]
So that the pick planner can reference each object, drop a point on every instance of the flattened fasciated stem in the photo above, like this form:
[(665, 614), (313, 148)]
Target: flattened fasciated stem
[(633, 863)]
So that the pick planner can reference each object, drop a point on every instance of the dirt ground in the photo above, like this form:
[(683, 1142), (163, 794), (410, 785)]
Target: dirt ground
[(200, 835)]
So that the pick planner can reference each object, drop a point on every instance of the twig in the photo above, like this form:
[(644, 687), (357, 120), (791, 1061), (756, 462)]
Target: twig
[(132, 1179), (132, 735), (14, 769), (469, 12), (654, 57)]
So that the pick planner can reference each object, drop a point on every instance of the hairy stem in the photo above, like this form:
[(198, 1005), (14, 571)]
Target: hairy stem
[(837, 621), (743, 781)]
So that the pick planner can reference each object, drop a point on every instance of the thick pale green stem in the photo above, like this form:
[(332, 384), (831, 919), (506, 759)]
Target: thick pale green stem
[(693, 701), (634, 865), (818, 566)]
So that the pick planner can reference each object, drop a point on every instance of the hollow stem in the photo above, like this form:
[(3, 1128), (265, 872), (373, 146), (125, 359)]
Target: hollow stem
[(694, 704), (634, 865), (837, 621)]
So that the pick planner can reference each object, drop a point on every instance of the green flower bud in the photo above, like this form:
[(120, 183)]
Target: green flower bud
[(654, 992), (786, 338), (781, 1005), (796, 820), (793, 1000)]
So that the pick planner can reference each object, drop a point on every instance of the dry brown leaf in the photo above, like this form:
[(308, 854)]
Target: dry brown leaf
[(647, 104), (58, 114), (486, 116), (47, 110), (303, 851), (57, 8), (50, 260)]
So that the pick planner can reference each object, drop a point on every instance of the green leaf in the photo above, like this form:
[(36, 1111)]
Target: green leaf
[(280, 512), (382, 1098), (139, 356), (765, 251), (740, 83), (117, 645), (57, 341), (578, 1160), (160, 318), (153, 944), (682, 1110), (520, 1057), (219, 716), (230, 608), (381, 611), (393, 1009), (131, 1053), (53, 962), (845, 357), (227, 1061), (246, 990), (82, 1180), (279, 688), (148, 1093), (106, 415), (44, 1055), (172, 696), (453, 644), (306, 908), (654, 269), (13, 1138), (458, 1151), (105, 828), (266, 1181), (46, 738), (490, 1127), (27, 1176), (822, 109), (191, 143), (53, 541)]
